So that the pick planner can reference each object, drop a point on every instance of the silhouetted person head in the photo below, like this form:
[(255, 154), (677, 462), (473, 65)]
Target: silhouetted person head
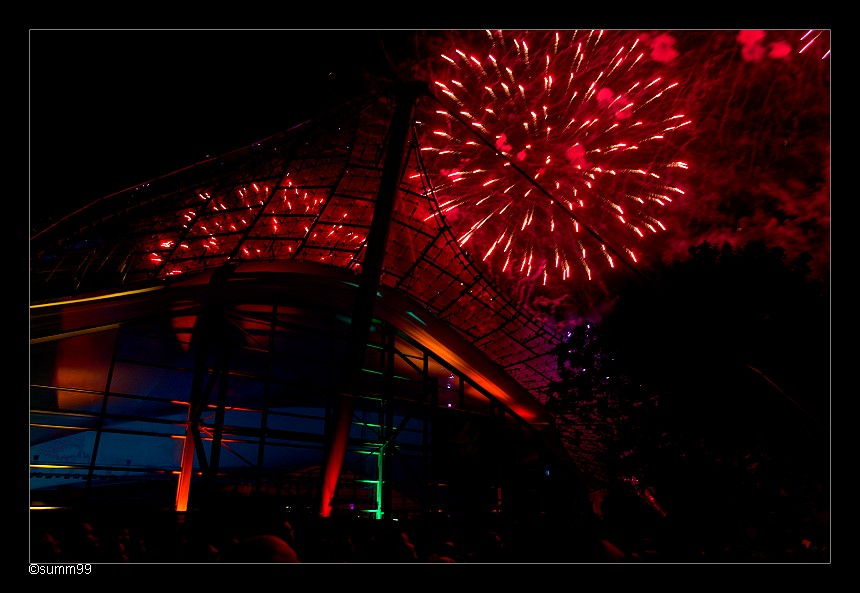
[(394, 545), (82, 544), (261, 549), (488, 547), (48, 548)]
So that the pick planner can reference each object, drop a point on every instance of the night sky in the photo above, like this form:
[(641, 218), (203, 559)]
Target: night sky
[(110, 109)]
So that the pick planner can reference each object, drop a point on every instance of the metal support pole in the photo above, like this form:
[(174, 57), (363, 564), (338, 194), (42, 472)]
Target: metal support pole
[(362, 315), (205, 333), (388, 429)]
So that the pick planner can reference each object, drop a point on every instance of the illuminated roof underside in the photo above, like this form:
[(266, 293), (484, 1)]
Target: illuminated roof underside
[(307, 194)]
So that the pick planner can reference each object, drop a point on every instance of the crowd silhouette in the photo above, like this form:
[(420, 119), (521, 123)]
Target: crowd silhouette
[(266, 536)]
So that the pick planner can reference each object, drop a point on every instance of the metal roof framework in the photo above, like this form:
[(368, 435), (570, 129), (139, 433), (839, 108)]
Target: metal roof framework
[(307, 194)]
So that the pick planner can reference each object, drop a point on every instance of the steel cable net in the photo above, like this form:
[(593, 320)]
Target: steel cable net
[(307, 194)]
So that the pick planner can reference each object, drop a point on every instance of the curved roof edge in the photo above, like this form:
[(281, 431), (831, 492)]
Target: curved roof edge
[(317, 284)]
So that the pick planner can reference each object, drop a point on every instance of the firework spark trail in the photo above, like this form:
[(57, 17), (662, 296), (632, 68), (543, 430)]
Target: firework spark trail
[(579, 130), (812, 37)]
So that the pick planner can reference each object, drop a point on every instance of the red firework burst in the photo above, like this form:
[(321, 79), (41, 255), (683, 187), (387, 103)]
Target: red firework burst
[(555, 153)]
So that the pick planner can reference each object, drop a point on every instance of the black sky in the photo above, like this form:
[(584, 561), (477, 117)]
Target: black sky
[(113, 108)]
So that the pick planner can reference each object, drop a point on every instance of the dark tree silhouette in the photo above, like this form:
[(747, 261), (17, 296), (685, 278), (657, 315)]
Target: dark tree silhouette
[(733, 335), (709, 388)]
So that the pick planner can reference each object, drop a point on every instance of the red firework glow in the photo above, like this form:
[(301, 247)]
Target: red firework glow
[(556, 153), (757, 145)]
